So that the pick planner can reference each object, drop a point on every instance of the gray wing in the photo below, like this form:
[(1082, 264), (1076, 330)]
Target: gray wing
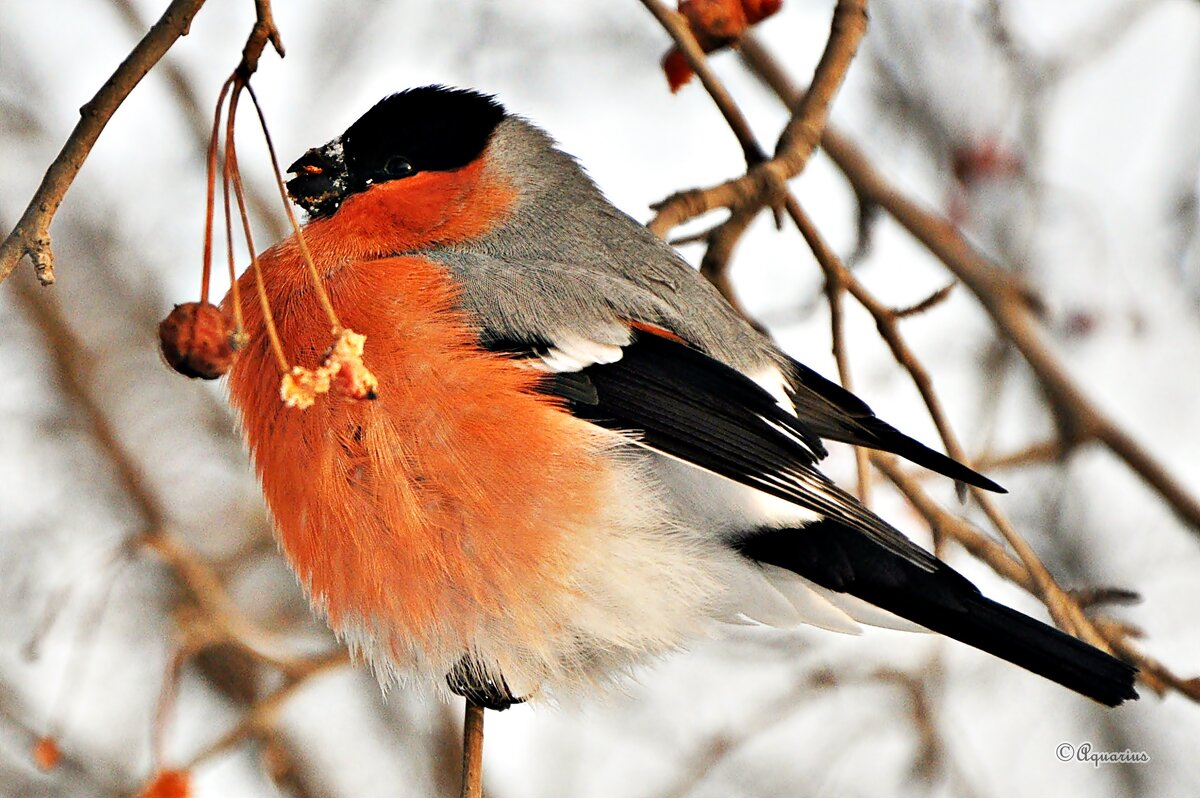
[(538, 301), (541, 299)]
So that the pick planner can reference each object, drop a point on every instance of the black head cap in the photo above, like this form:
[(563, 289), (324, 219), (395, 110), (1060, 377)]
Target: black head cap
[(429, 129)]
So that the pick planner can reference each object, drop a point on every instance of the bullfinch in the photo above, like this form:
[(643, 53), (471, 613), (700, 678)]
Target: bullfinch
[(580, 457)]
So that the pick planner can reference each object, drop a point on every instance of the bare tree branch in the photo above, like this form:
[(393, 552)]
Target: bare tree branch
[(31, 236), (1010, 305), (764, 183), (1005, 299), (677, 26)]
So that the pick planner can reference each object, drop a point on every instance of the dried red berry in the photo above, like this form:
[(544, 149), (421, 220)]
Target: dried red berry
[(46, 753), (168, 784), (198, 340), (715, 24)]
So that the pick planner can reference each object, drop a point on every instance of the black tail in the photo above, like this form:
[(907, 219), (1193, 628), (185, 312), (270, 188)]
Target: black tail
[(842, 559)]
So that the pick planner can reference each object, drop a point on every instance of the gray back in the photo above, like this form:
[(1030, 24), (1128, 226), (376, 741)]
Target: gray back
[(568, 261)]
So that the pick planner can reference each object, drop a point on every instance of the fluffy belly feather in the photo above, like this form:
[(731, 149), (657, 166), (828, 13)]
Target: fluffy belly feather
[(463, 513)]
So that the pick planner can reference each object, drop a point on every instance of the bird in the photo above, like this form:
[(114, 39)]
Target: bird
[(579, 458)]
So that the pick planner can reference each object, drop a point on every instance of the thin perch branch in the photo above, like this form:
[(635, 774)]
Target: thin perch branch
[(472, 768), (677, 26)]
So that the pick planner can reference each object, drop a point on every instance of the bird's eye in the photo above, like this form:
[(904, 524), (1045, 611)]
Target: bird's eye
[(398, 167)]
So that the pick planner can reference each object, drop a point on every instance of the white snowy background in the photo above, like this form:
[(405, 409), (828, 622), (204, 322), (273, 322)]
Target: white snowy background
[(1099, 100)]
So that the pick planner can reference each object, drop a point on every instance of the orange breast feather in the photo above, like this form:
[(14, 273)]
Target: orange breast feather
[(438, 505)]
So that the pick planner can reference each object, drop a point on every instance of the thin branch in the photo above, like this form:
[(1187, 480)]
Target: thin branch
[(677, 26), (164, 708), (803, 132), (31, 236), (764, 183), (718, 253), (472, 762), (1050, 451), (1066, 613), (927, 304), (1014, 311), (952, 526), (1002, 295), (834, 289)]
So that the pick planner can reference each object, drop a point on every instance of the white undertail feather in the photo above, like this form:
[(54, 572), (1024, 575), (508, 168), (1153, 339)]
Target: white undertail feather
[(867, 613), (813, 607)]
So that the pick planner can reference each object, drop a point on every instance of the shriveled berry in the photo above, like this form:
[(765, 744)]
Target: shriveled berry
[(168, 784), (46, 753), (198, 340)]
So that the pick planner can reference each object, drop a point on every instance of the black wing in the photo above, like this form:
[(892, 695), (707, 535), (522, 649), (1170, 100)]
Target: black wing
[(835, 414), (678, 401)]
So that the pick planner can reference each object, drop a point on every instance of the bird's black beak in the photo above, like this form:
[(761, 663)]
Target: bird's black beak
[(321, 181)]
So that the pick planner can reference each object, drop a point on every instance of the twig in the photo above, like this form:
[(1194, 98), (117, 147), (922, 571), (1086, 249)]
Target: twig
[(1004, 298), (1041, 452), (260, 717), (1013, 309), (162, 711), (835, 287), (952, 526), (31, 236), (472, 767), (925, 305), (803, 132), (718, 253), (1066, 613), (677, 26), (764, 183)]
